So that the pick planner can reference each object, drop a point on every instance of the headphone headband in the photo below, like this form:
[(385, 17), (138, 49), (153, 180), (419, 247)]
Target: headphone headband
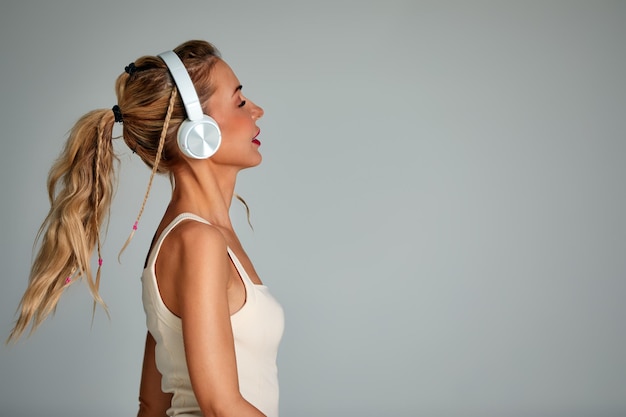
[(199, 136), (184, 84)]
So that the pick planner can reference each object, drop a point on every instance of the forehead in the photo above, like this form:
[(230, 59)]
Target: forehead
[(223, 78)]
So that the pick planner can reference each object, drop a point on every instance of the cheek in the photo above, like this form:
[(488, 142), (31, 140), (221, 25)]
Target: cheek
[(234, 126)]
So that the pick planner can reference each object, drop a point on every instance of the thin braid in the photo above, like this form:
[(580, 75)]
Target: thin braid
[(155, 166), (96, 217)]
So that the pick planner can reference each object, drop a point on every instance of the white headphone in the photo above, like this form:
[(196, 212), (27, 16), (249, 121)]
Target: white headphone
[(199, 135)]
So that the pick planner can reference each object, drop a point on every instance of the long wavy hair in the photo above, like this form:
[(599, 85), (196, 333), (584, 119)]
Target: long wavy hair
[(82, 180)]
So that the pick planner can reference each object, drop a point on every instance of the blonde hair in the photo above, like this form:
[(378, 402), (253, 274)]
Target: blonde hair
[(82, 180)]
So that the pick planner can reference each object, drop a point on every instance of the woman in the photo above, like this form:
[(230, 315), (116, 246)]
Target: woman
[(213, 328)]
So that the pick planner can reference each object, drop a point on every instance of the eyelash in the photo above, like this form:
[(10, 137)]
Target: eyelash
[(243, 103)]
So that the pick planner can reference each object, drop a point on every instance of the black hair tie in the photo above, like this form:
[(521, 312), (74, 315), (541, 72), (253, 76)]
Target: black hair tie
[(117, 112), (130, 68)]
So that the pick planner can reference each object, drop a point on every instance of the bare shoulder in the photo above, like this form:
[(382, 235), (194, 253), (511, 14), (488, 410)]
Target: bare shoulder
[(191, 233), (194, 249), (192, 267)]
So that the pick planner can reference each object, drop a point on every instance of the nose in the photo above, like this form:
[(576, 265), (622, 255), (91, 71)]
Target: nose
[(256, 111)]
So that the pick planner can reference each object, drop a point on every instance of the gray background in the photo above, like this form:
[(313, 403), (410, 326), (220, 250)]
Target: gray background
[(440, 208)]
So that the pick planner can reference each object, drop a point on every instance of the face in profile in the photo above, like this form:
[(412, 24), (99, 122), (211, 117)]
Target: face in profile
[(236, 116)]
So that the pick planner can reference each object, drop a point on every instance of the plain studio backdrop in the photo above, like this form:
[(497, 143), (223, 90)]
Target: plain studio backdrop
[(440, 209)]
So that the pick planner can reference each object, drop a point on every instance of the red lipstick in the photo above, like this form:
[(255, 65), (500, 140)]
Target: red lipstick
[(255, 140)]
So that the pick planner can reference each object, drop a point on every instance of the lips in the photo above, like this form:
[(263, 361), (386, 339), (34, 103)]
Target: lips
[(255, 140)]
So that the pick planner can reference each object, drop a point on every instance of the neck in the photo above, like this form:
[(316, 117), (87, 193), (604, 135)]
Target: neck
[(205, 189)]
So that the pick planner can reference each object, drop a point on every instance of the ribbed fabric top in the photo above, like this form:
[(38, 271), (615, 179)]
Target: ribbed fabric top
[(257, 330)]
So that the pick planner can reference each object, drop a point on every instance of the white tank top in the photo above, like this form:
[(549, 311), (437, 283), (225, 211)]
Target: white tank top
[(257, 330)]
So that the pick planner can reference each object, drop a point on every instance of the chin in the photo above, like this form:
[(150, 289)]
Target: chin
[(253, 164)]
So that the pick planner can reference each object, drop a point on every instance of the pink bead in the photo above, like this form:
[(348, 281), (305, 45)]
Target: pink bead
[(135, 226), (100, 261), (68, 280)]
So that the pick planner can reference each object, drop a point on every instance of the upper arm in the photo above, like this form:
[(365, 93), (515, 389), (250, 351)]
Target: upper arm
[(202, 300)]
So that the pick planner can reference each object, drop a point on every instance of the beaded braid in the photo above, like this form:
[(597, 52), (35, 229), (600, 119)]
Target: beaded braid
[(155, 166), (96, 219)]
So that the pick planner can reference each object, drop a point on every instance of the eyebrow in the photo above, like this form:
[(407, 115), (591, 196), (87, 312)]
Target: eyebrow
[(239, 87)]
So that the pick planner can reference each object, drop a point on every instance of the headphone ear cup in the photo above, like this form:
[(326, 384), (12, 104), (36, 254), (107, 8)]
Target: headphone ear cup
[(199, 139)]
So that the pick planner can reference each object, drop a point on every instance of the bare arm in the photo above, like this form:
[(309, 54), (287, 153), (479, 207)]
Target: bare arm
[(202, 301), (152, 401)]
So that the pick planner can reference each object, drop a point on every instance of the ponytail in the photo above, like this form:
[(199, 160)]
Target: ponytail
[(80, 189), (81, 181)]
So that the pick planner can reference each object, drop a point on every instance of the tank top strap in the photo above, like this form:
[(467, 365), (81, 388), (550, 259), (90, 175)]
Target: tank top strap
[(190, 216), (177, 220), (240, 269)]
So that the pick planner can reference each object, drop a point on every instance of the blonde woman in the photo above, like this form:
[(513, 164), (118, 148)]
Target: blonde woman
[(213, 327)]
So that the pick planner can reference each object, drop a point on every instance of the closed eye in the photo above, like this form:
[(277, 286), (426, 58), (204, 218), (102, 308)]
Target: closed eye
[(243, 103)]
